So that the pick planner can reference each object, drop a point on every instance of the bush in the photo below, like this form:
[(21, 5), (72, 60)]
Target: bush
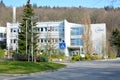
[(82, 58), (87, 57), (2, 53), (95, 57), (92, 57), (24, 57), (76, 58), (42, 59), (60, 55), (112, 57), (20, 57)]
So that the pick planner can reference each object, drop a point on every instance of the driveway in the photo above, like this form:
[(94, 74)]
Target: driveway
[(82, 70)]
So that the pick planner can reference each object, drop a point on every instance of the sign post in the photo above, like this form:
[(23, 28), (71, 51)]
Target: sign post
[(62, 45)]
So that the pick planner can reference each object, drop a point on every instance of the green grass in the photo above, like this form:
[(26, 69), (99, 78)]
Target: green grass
[(17, 67)]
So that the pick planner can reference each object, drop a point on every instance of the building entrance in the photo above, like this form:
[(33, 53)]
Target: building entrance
[(75, 50)]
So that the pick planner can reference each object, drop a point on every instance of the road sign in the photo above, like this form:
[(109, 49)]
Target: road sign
[(62, 45)]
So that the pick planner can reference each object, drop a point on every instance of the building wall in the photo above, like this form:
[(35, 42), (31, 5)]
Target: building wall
[(49, 34), (12, 35), (72, 35), (99, 38), (55, 32)]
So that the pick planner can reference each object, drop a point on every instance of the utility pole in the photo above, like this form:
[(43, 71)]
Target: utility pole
[(27, 40), (32, 41), (50, 42)]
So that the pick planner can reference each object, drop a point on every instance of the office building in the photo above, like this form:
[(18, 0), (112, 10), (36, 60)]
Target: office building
[(55, 33)]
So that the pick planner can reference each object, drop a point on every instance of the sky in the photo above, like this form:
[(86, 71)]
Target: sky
[(65, 3)]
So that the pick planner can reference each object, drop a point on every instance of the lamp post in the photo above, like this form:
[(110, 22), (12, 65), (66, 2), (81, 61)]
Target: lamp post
[(26, 39), (32, 40)]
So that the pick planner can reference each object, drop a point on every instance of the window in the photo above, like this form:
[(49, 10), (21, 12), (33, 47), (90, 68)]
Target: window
[(55, 28), (1, 35), (41, 29), (76, 31), (38, 29), (76, 41), (15, 41), (14, 30), (4, 35), (41, 40), (18, 30), (11, 30), (45, 28), (45, 40)]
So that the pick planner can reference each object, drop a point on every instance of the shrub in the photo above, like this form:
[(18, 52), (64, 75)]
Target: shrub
[(42, 59), (24, 57), (82, 58), (60, 55), (111, 57), (20, 57), (93, 57), (76, 58), (87, 57), (2, 53)]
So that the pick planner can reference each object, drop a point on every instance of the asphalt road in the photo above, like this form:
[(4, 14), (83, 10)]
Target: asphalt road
[(93, 70)]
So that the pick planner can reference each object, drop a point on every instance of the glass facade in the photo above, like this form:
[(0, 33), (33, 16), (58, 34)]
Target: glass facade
[(2, 36), (76, 32), (76, 42)]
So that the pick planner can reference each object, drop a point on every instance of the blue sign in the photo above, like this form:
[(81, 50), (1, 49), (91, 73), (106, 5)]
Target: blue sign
[(62, 45)]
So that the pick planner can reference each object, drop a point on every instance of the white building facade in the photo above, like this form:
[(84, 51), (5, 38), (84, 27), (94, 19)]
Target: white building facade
[(12, 36), (54, 33)]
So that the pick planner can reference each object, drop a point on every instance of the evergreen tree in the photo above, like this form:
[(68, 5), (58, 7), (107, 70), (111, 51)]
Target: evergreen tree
[(115, 39), (29, 22), (2, 3)]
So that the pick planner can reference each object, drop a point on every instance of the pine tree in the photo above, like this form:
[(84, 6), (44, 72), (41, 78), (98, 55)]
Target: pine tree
[(2, 3), (29, 22)]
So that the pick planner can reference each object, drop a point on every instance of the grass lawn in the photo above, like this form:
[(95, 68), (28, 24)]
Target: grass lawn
[(17, 67)]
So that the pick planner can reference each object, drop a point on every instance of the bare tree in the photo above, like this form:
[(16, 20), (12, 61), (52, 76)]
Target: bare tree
[(87, 42)]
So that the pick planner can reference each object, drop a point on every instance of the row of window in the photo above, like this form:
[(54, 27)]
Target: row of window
[(55, 40), (76, 41), (15, 30), (47, 29), (14, 41), (39, 40), (39, 29)]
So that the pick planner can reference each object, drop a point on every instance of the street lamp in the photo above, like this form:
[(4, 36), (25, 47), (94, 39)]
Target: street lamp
[(26, 38)]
